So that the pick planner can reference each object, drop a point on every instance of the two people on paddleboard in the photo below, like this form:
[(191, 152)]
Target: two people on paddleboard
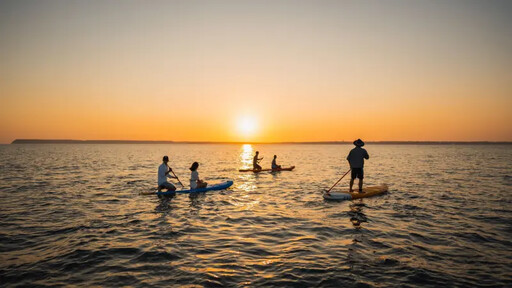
[(355, 159), (164, 172), (256, 161)]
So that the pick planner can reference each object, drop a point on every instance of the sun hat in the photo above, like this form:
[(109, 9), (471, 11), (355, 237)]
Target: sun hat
[(359, 143)]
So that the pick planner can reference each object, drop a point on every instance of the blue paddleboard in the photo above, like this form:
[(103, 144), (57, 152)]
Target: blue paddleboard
[(220, 186)]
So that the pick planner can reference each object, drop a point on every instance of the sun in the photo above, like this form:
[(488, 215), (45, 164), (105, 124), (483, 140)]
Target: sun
[(247, 126)]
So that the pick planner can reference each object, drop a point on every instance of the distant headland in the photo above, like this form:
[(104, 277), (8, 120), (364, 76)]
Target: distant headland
[(71, 141)]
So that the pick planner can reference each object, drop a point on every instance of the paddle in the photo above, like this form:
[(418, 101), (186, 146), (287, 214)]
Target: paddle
[(176, 176), (337, 181)]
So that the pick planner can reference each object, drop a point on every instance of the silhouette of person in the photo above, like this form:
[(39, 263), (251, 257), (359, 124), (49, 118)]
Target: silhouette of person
[(255, 161), (356, 161), (274, 164)]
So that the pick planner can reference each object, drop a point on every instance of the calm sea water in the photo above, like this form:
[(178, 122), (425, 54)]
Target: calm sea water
[(73, 215)]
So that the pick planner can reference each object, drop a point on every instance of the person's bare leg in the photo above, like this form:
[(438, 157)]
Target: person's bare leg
[(351, 184), (360, 185)]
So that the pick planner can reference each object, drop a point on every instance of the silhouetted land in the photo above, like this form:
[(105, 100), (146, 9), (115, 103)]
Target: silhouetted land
[(69, 141)]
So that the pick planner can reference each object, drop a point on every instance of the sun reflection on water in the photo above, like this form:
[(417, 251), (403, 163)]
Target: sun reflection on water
[(246, 156), (246, 181)]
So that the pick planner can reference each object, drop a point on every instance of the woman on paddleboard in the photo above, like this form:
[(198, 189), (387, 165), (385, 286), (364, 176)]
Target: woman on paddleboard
[(195, 182)]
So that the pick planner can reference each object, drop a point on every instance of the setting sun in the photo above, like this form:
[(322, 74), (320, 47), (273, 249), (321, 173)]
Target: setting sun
[(247, 126)]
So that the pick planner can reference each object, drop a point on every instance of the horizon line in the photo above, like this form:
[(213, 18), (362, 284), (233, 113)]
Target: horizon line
[(74, 141)]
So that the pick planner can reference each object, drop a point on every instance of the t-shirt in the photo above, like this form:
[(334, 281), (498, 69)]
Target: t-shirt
[(162, 178), (356, 157), (194, 176)]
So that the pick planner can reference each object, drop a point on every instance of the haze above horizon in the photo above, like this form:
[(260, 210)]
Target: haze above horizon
[(256, 71)]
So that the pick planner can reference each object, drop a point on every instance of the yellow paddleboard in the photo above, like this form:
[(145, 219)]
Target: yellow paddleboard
[(367, 192)]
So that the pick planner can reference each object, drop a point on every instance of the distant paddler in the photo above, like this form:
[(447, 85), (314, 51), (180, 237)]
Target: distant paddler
[(255, 161), (356, 161), (163, 174), (274, 164)]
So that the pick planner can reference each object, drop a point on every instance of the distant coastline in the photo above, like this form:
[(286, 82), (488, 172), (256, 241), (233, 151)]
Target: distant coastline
[(70, 141)]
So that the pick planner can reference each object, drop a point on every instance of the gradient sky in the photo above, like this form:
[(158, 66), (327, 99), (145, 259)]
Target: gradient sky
[(302, 70)]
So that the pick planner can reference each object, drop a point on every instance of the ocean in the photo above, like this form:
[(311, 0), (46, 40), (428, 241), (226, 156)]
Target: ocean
[(72, 214)]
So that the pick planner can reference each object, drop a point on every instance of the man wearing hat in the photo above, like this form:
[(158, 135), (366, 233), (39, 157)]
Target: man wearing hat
[(356, 161), (163, 174)]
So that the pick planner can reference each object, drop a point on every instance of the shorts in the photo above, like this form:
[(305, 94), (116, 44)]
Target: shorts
[(166, 185), (357, 173), (256, 167)]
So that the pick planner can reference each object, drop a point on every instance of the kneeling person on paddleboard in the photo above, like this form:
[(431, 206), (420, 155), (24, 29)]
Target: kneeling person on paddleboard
[(356, 161), (163, 174), (255, 161), (195, 182)]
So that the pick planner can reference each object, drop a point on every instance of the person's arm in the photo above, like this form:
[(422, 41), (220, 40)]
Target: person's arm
[(169, 175), (366, 156)]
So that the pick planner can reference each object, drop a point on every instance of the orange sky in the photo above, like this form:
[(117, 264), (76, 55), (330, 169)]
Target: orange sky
[(303, 71)]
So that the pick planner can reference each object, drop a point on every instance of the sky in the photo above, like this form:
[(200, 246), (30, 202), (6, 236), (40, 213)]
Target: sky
[(256, 70)]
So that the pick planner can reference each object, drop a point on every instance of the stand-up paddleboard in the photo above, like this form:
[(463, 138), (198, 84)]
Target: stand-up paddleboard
[(220, 186), (267, 170), (368, 192)]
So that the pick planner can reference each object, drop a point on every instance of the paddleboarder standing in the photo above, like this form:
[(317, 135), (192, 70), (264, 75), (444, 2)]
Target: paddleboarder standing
[(163, 174), (255, 161), (356, 161)]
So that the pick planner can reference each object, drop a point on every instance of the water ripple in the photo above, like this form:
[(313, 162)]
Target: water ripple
[(79, 218)]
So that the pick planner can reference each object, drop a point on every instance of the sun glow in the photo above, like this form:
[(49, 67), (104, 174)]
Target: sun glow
[(247, 126)]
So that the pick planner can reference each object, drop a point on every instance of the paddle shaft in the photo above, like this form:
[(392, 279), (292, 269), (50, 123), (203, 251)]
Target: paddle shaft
[(338, 181), (175, 176)]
